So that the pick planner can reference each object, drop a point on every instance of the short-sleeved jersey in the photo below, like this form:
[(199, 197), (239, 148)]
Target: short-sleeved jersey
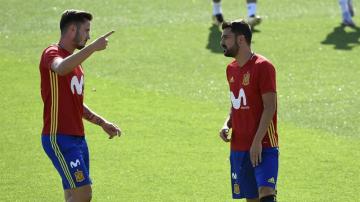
[(247, 85), (62, 96)]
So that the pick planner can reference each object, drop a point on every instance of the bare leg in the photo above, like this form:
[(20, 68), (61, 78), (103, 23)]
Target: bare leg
[(80, 194), (67, 195), (266, 191)]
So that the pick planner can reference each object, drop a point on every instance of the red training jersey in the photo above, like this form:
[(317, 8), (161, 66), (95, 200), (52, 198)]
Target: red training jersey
[(247, 84), (62, 96)]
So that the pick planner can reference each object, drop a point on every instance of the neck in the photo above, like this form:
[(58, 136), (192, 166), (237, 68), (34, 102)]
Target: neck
[(243, 56), (67, 45)]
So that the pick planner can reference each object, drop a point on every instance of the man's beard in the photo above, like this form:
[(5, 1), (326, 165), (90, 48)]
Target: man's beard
[(77, 41), (79, 47), (231, 52)]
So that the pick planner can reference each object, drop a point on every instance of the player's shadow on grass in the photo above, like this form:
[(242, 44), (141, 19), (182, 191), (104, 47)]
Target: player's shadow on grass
[(215, 37), (342, 39), (214, 40)]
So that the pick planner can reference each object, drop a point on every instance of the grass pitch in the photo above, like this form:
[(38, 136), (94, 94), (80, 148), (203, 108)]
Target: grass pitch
[(162, 79)]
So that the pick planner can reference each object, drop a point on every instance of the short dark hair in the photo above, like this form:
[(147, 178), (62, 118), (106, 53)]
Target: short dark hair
[(239, 27), (73, 16)]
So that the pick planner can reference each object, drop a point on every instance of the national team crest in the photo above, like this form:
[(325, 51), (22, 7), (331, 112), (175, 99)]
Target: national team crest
[(246, 79), (79, 176), (236, 189)]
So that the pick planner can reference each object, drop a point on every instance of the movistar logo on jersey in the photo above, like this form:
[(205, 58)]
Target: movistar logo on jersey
[(240, 101), (77, 85)]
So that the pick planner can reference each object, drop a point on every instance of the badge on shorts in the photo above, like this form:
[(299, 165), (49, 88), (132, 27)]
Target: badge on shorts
[(79, 176), (236, 189), (246, 79)]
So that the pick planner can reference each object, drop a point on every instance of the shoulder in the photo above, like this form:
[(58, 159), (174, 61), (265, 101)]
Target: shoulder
[(231, 65), (262, 62), (51, 49), (48, 55)]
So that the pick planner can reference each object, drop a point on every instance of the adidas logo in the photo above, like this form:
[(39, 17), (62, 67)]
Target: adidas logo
[(271, 180), (231, 80)]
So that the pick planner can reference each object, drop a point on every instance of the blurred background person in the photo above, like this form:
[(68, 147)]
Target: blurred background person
[(252, 18), (347, 11)]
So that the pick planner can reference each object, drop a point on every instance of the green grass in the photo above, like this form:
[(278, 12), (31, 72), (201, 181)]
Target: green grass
[(162, 83)]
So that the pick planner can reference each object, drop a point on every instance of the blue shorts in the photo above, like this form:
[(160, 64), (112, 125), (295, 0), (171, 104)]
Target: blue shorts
[(70, 156), (246, 179)]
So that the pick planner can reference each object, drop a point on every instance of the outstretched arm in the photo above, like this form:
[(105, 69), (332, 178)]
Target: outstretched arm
[(110, 128), (63, 66)]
